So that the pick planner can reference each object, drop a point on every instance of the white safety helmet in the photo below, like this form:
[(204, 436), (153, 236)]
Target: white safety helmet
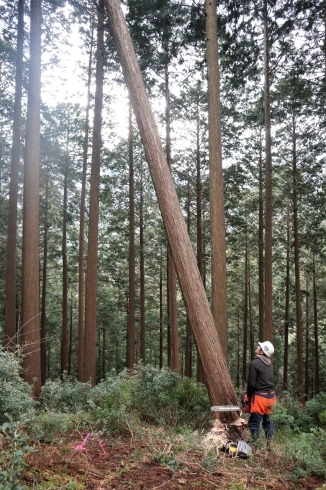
[(267, 347)]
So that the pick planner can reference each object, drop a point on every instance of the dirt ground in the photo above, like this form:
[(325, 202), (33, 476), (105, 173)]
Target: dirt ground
[(130, 464)]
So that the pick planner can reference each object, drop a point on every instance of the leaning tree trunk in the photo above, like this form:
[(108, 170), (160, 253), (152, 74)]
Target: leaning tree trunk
[(216, 188), (10, 315), (92, 259), (172, 281), (219, 383), (31, 254)]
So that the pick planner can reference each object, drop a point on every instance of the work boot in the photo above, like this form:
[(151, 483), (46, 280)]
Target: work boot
[(269, 448), (254, 441)]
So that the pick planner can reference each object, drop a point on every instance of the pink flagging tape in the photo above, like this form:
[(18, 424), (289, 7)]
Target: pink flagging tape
[(81, 447)]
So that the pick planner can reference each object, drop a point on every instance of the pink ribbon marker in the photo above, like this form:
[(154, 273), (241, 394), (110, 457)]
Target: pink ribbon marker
[(81, 447)]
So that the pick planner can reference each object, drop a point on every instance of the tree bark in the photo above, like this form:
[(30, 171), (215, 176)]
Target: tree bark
[(92, 259), (261, 261), (317, 375), (64, 331), (31, 254), (131, 305), (81, 263), (268, 192), (301, 384), (44, 283), (219, 383), (142, 273), (216, 187), (287, 308), (161, 310), (172, 284), (188, 347), (10, 314), (307, 345), (245, 316)]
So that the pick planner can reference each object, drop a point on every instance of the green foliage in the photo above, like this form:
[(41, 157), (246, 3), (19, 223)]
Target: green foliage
[(316, 409), (307, 451), (289, 416), (118, 401), (322, 418), (15, 394), (112, 401), (12, 458), (66, 395), (46, 426), (164, 397)]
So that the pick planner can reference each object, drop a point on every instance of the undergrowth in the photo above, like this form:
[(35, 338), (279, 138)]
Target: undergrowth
[(159, 407)]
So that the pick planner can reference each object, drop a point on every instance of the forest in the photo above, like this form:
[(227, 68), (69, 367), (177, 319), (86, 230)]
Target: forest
[(163, 202)]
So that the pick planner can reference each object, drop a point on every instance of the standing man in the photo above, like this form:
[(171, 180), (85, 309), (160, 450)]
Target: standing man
[(260, 392)]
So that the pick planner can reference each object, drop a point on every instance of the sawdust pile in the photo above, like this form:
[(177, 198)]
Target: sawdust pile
[(220, 434)]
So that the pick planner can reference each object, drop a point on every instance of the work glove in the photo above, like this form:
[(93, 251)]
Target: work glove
[(246, 404)]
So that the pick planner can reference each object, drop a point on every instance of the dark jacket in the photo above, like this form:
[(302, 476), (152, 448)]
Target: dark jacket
[(260, 376)]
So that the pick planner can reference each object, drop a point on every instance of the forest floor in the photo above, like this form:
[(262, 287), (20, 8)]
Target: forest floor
[(135, 463)]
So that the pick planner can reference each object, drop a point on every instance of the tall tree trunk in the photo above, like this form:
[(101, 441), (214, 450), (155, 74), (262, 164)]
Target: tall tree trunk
[(245, 315), (301, 384), (81, 263), (131, 309), (216, 187), (92, 259), (195, 298), (70, 340), (172, 284), (10, 314), (31, 253), (316, 351), (307, 345), (287, 308), (251, 325), (142, 273), (64, 332), (261, 261), (200, 374), (44, 283), (188, 348), (161, 310), (268, 191), (104, 352)]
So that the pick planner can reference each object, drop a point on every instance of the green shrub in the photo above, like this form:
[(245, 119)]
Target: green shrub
[(112, 400), (307, 451), (15, 394), (48, 425), (164, 397), (322, 418), (288, 415), (66, 395), (12, 458), (315, 407)]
